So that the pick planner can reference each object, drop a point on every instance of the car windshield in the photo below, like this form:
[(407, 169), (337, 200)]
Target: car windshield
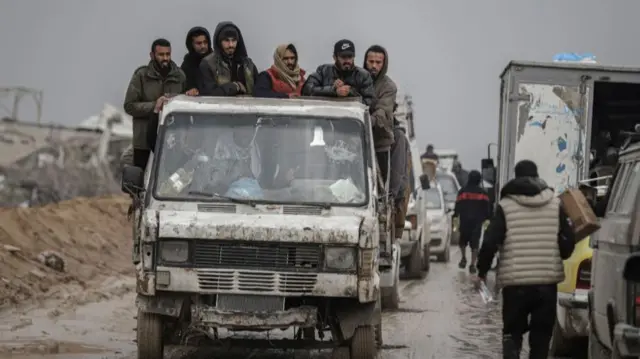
[(261, 158), (446, 161), (434, 201), (449, 188)]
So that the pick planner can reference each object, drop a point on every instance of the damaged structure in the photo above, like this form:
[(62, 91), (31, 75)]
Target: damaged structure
[(43, 163)]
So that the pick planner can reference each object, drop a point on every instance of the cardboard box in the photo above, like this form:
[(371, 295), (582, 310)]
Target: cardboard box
[(579, 210)]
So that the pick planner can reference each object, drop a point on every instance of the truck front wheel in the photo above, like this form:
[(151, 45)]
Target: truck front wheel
[(150, 336), (415, 263), (363, 344)]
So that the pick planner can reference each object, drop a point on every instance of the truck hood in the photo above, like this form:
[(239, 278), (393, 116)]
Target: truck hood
[(260, 227)]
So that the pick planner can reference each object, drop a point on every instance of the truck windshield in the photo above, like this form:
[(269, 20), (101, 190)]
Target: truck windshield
[(434, 201), (261, 159)]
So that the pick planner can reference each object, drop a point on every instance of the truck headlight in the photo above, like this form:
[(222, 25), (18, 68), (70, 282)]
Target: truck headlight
[(340, 258), (174, 251)]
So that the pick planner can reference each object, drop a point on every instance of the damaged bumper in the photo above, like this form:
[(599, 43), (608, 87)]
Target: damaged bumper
[(573, 313), (305, 316)]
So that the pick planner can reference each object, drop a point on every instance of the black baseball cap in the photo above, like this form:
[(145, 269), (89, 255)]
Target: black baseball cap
[(344, 48)]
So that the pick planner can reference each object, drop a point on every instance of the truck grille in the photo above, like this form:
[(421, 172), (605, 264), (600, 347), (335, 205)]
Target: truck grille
[(269, 256), (221, 280)]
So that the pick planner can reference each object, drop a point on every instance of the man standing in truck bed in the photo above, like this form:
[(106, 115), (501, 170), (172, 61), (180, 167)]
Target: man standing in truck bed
[(342, 78), (228, 70), (148, 90)]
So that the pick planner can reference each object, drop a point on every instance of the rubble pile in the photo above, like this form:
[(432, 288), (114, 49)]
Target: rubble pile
[(75, 243), (57, 168)]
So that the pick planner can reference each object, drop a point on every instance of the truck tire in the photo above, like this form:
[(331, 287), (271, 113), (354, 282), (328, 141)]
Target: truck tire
[(415, 264), (150, 335), (559, 345), (445, 256), (363, 343), (426, 257), (378, 329), (595, 349)]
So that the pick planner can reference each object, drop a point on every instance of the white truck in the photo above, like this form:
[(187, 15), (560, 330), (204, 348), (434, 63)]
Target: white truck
[(261, 214)]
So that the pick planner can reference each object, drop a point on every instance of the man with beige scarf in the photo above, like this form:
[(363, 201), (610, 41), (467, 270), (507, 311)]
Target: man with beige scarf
[(285, 78)]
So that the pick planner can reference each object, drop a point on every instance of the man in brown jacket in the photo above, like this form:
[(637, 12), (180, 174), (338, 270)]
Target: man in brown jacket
[(376, 61), (150, 87)]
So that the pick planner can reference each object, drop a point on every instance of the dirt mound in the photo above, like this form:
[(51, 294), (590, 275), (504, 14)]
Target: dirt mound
[(76, 243)]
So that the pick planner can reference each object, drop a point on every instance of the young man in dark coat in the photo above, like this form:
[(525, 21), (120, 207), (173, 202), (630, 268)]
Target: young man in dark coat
[(472, 208), (341, 78), (198, 46), (228, 70)]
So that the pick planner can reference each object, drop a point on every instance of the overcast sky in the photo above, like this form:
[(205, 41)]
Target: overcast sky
[(447, 53)]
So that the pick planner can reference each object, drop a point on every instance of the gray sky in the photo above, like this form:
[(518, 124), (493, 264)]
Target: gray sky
[(446, 53)]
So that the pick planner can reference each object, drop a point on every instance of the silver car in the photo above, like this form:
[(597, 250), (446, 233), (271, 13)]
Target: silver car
[(440, 226)]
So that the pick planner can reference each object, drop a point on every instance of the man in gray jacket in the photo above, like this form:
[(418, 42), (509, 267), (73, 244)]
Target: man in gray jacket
[(533, 234)]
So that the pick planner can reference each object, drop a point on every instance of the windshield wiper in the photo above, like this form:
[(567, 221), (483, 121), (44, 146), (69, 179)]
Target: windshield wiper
[(230, 199), (323, 205)]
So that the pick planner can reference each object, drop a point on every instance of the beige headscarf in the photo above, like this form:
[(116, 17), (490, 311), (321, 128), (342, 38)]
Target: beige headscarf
[(292, 77)]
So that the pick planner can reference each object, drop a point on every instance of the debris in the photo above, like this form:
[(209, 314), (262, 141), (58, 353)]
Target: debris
[(52, 260)]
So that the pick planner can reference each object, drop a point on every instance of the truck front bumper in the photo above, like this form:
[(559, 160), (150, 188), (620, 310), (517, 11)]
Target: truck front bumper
[(304, 316)]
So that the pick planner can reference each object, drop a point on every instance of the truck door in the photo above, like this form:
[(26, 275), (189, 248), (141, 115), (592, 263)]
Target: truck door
[(613, 244), (546, 122)]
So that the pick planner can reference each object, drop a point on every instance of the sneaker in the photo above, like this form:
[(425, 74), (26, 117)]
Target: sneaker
[(463, 263), (472, 269)]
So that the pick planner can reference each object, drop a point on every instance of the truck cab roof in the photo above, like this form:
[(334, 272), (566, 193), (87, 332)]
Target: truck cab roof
[(304, 106)]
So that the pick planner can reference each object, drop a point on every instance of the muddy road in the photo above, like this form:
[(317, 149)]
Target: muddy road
[(440, 317)]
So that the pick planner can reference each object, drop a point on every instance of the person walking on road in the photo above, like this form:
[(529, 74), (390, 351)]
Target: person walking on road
[(533, 234), (472, 209)]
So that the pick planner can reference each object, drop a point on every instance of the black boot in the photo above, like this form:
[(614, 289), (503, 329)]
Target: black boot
[(463, 263), (511, 347)]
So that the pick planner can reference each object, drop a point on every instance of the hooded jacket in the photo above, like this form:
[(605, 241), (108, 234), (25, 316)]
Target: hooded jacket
[(384, 99), (472, 204), (218, 72), (191, 62), (532, 232)]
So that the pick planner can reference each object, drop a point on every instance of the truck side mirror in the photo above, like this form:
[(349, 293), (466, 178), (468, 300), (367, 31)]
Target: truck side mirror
[(632, 268), (488, 170), (132, 179), (424, 182)]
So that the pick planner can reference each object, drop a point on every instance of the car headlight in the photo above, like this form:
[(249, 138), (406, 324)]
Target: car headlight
[(174, 251), (340, 258)]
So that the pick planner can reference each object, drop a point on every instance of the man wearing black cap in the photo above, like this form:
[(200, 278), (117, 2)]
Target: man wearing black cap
[(228, 70), (342, 78), (533, 234)]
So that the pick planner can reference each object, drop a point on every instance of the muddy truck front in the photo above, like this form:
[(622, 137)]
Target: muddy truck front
[(254, 215)]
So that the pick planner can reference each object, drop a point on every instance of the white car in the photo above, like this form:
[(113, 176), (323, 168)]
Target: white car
[(440, 226), (450, 187)]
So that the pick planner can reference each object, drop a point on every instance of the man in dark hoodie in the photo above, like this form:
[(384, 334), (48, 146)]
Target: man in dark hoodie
[(472, 208), (342, 78), (228, 70), (198, 46), (533, 234)]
